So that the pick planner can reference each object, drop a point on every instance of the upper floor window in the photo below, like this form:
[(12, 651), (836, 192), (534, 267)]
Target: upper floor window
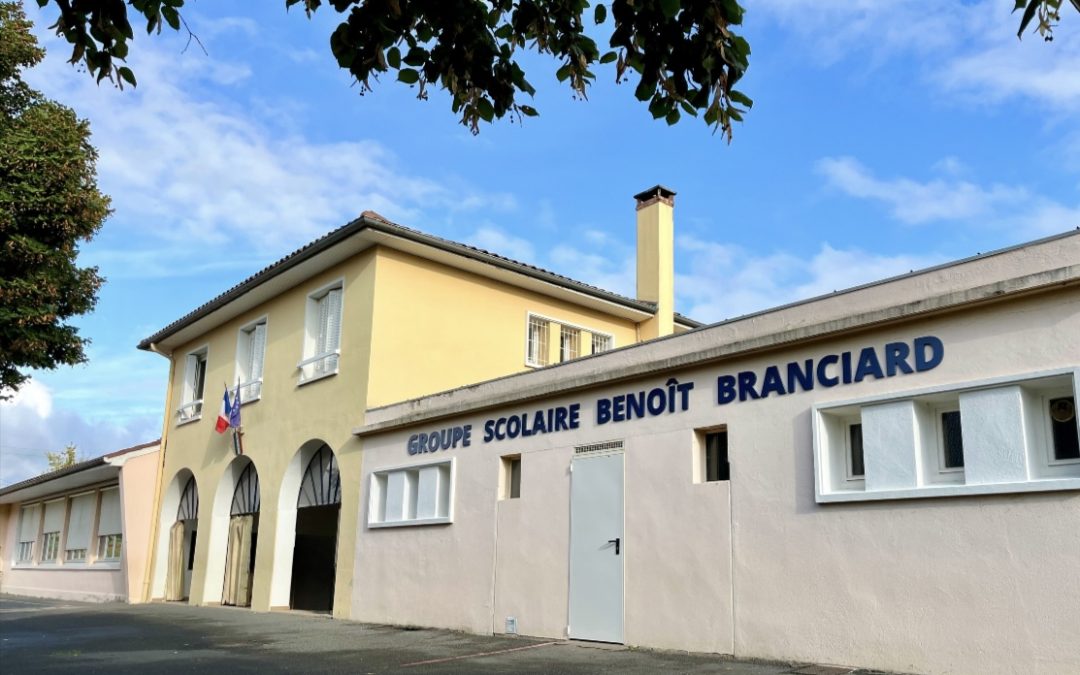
[(194, 385), (548, 341), (322, 341), (250, 350)]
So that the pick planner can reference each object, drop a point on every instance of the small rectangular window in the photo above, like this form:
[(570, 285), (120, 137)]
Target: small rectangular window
[(322, 345), (26, 552), (415, 495), (537, 347), (952, 440), (194, 386), (250, 354), (569, 343), (601, 343), (511, 477), (109, 547), (1063, 428), (716, 457), (50, 546), (30, 523), (856, 466)]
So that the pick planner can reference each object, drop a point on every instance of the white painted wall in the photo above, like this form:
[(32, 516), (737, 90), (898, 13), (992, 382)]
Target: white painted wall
[(970, 584)]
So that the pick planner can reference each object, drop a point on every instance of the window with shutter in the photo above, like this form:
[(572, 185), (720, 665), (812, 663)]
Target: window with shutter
[(52, 524), (80, 521), (322, 343), (250, 351), (194, 385), (109, 526), (29, 524)]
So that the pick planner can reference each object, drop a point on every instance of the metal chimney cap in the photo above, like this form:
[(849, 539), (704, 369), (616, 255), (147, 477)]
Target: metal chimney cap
[(655, 192)]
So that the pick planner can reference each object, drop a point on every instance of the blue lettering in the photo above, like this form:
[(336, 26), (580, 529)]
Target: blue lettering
[(868, 365), (657, 401), (603, 411), (466, 436), (489, 431), (499, 426), (797, 378), (618, 408), (684, 393), (896, 354), (747, 378), (725, 389), (772, 383), (845, 362), (412, 445), (513, 427), (575, 410), (635, 405), (539, 427), (923, 361), (822, 365)]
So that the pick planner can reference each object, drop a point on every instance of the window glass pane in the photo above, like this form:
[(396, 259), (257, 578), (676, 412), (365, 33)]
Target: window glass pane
[(855, 443), (952, 440), (716, 457), (515, 478), (1063, 428), (538, 339), (569, 343), (600, 343)]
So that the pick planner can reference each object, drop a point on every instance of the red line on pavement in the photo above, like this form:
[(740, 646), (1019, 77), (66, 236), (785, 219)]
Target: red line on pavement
[(476, 656)]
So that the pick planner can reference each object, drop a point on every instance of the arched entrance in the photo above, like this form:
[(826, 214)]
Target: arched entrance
[(315, 551), (243, 535), (182, 536)]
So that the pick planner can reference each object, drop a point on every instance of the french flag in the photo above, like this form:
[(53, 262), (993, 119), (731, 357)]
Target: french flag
[(225, 415)]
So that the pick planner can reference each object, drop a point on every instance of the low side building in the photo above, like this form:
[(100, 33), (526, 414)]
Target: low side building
[(82, 532), (887, 477)]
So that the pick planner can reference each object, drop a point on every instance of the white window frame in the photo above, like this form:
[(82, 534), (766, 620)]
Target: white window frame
[(191, 408), (1047, 425), (250, 386), (39, 513), (939, 437), (604, 336), (53, 539), (543, 361), (377, 489), (103, 544), (317, 365), (849, 462), (540, 359), (94, 513), (1036, 388)]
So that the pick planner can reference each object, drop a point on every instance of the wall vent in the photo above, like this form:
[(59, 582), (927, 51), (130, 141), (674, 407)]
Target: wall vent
[(595, 448)]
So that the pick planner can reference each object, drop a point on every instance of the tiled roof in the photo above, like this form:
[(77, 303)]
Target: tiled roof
[(374, 221), (74, 468)]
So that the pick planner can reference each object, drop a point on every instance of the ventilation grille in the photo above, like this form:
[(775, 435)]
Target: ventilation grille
[(593, 448)]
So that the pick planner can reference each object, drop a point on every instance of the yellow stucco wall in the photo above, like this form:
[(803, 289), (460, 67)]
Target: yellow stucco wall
[(438, 327), (410, 327)]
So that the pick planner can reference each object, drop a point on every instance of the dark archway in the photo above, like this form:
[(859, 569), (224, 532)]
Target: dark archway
[(315, 553)]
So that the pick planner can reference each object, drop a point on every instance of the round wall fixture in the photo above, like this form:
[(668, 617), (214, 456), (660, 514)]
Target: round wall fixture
[(1062, 409)]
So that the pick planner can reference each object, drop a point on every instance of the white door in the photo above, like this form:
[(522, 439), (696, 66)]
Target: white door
[(596, 548)]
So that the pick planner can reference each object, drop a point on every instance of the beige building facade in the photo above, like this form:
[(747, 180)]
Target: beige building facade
[(886, 477), (372, 314), (80, 533)]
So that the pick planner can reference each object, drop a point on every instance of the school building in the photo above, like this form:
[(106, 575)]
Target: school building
[(369, 315), (886, 477)]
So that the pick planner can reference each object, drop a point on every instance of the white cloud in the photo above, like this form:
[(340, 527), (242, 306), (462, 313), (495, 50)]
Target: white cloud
[(951, 199), (918, 202), (492, 239), (722, 281)]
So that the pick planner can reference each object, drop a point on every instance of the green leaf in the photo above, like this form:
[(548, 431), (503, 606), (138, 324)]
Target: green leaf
[(485, 109), (672, 117), (171, 16), (741, 98), (609, 57), (125, 74), (1029, 13), (600, 14), (669, 7), (393, 57), (528, 111), (563, 72), (408, 76)]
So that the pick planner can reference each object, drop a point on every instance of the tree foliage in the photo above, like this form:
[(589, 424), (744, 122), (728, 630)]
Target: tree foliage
[(683, 57), (62, 459), (49, 203), (1048, 13)]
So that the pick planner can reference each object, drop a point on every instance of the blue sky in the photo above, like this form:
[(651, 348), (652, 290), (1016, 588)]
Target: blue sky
[(885, 137)]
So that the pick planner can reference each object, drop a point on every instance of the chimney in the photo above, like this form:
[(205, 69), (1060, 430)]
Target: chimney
[(656, 259)]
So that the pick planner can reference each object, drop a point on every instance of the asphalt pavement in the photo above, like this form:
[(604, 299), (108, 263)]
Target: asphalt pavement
[(55, 636)]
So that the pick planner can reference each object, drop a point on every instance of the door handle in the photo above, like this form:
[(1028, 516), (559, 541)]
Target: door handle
[(616, 542)]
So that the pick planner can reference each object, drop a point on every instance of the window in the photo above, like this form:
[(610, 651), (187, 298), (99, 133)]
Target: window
[(322, 344), (194, 385), (541, 332), (109, 526), (952, 441), (569, 343), (249, 360), (717, 467), (415, 495), (856, 465), (537, 348), (1000, 435), (30, 522), (1065, 438), (80, 521), (109, 547), (52, 524), (510, 480)]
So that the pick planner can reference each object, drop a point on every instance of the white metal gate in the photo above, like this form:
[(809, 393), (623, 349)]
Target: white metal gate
[(596, 548)]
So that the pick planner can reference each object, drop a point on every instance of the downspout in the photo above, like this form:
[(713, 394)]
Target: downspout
[(151, 561)]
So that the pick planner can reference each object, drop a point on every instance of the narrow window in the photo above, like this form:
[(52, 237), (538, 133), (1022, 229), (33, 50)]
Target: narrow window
[(28, 532), (50, 531), (537, 347), (1063, 428), (569, 343), (109, 526), (249, 355), (80, 521), (952, 441), (601, 343), (716, 457), (322, 344), (194, 385), (855, 451), (511, 477)]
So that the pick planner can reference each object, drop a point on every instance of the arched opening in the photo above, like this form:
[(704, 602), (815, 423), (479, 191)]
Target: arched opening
[(182, 536), (314, 559), (243, 535)]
